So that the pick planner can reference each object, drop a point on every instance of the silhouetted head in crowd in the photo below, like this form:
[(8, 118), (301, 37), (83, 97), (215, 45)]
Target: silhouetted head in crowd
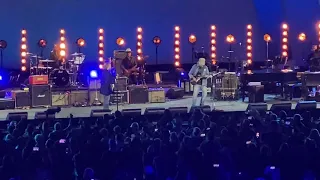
[(88, 174), (117, 114), (134, 127)]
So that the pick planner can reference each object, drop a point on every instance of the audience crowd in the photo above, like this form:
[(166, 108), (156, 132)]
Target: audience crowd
[(198, 146)]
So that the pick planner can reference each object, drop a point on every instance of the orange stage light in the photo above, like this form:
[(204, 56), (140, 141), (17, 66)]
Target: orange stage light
[(302, 37), (120, 41)]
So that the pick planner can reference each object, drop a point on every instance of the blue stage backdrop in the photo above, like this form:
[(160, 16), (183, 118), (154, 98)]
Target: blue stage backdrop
[(120, 18)]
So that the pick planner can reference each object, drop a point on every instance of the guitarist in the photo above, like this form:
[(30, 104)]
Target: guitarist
[(129, 67), (198, 76)]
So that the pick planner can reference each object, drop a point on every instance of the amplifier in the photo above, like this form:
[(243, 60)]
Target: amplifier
[(122, 80), (157, 95), (119, 54), (229, 81), (138, 94), (22, 98), (40, 95), (311, 79), (256, 94), (120, 87), (38, 80), (79, 98), (60, 99), (6, 104), (120, 97), (175, 93), (223, 94)]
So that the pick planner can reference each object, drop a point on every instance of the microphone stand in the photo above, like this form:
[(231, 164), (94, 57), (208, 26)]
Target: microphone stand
[(157, 54), (96, 101)]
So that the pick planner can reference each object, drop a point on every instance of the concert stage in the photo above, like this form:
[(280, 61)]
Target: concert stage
[(185, 102)]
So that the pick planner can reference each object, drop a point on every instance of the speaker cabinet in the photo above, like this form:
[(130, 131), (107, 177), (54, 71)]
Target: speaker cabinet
[(256, 94), (40, 95)]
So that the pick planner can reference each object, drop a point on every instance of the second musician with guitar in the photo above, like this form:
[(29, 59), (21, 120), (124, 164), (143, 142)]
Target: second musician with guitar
[(129, 67), (198, 76)]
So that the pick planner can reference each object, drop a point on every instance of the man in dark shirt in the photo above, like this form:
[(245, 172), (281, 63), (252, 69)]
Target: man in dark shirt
[(129, 67), (107, 84), (54, 55)]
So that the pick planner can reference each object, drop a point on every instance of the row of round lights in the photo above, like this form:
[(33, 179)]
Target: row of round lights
[(177, 46), (62, 45), (249, 44), (213, 48), (101, 47), (139, 43), (23, 50), (285, 31)]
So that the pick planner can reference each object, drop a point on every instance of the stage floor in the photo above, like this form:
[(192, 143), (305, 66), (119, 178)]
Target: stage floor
[(185, 102)]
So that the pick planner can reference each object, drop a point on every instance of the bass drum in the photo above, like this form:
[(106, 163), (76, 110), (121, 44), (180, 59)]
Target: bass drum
[(60, 77)]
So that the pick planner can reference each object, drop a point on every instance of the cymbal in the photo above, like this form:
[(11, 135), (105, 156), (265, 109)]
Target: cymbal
[(76, 54), (46, 60), (35, 56), (40, 67)]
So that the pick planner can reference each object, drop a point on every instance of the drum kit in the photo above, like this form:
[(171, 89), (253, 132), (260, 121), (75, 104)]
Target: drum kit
[(60, 74)]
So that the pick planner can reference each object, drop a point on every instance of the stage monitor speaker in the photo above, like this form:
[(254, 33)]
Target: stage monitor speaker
[(154, 111), (44, 116), (131, 112), (306, 105), (276, 108), (99, 112), (178, 110), (17, 116), (175, 93), (258, 106), (205, 109)]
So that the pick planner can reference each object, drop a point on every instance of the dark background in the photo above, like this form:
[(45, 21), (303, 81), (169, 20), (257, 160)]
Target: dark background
[(82, 18)]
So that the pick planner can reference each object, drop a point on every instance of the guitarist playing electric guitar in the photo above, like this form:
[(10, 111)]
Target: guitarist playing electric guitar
[(198, 77), (129, 67)]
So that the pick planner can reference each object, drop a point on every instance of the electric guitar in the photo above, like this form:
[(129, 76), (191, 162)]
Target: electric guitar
[(128, 72), (198, 80), (136, 70)]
